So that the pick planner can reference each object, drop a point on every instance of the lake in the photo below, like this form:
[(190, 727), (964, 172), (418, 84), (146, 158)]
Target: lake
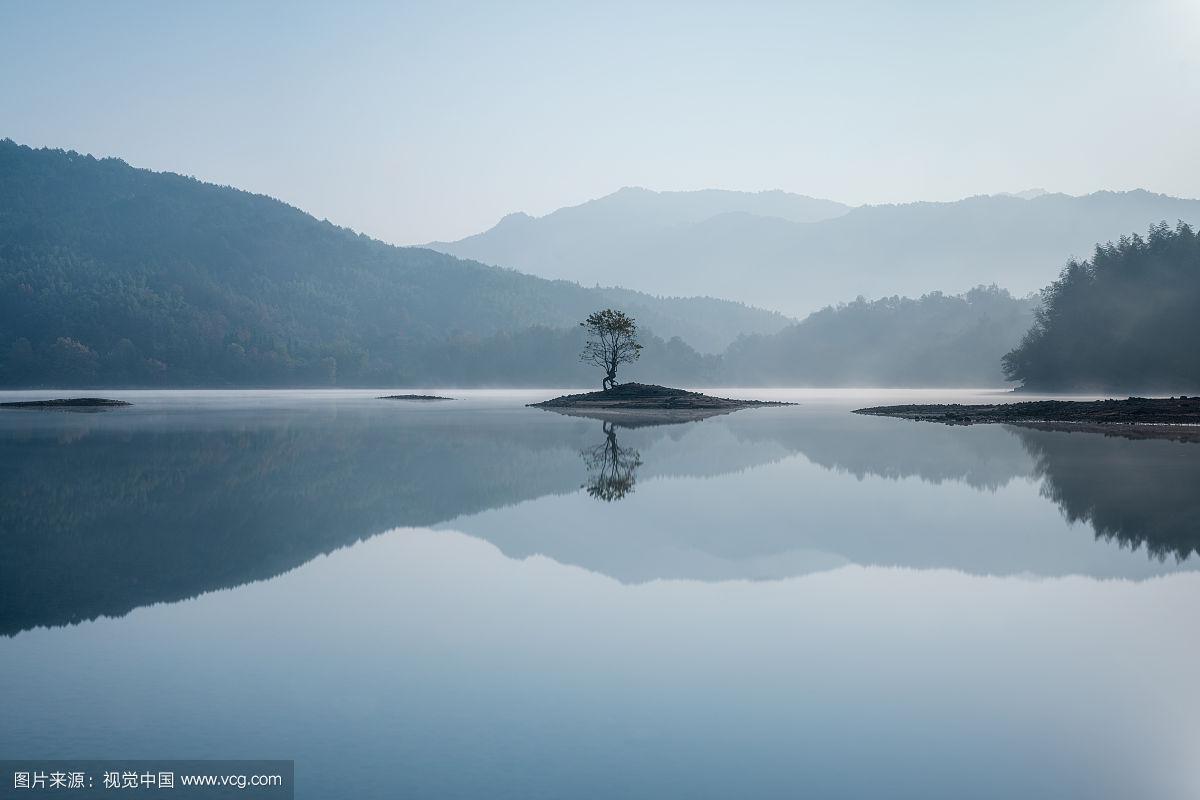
[(474, 599)]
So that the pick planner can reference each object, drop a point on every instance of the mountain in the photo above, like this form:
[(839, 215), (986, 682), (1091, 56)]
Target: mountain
[(757, 254), (1126, 320), (935, 340), (1028, 194), (629, 218), (115, 276), (111, 275)]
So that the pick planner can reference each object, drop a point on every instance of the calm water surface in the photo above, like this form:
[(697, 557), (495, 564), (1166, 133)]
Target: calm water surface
[(476, 599)]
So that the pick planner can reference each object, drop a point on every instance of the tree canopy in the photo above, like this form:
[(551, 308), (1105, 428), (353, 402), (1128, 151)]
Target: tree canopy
[(612, 340), (1128, 319)]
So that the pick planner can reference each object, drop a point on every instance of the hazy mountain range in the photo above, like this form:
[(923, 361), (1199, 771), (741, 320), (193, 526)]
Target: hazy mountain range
[(117, 276), (111, 275), (797, 254)]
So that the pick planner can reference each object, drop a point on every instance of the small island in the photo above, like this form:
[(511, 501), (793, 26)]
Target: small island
[(1135, 416), (413, 397), (612, 340), (67, 404), (648, 397)]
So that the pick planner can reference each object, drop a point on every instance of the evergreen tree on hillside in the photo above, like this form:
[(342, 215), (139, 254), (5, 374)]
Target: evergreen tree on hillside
[(1127, 320)]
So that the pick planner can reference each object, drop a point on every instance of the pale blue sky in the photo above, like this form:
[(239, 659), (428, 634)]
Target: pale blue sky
[(419, 121)]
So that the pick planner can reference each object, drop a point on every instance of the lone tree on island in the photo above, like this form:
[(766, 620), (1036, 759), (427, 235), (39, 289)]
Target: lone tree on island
[(612, 341)]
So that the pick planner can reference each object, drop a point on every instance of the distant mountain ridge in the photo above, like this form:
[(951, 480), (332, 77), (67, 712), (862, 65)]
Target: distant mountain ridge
[(752, 252), (116, 276), (645, 208), (596, 240)]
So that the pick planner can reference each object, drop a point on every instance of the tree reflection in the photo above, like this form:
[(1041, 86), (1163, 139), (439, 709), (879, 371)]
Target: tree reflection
[(1132, 491), (612, 469)]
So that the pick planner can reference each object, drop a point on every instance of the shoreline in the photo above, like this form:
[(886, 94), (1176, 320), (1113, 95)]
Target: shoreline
[(643, 397), (1135, 417)]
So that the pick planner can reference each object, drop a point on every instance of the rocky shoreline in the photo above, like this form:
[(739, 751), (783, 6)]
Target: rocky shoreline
[(413, 397), (67, 404), (1137, 417)]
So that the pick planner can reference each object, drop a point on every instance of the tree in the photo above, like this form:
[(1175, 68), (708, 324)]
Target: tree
[(612, 469), (1124, 321), (612, 341)]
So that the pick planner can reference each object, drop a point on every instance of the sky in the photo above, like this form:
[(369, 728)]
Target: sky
[(415, 121)]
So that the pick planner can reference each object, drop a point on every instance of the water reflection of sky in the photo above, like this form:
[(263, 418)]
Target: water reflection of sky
[(440, 666)]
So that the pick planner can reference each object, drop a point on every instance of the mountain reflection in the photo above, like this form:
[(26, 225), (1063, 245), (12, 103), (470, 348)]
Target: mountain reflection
[(101, 514)]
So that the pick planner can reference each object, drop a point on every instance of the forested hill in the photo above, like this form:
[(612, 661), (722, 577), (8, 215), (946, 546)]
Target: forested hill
[(1127, 320), (114, 275), (933, 340)]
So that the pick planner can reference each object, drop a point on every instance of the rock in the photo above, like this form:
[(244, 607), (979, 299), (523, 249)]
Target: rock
[(413, 397), (67, 404)]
